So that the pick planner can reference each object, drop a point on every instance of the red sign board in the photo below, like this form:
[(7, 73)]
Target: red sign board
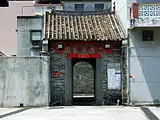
[(56, 74), (83, 55), (83, 50)]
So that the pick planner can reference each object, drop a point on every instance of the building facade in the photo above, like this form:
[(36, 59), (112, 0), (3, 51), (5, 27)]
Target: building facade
[(86, 5), (39, 35), (29, 35), (25, 25), (86, 58), (29, 28), (142, 18), (9, 24), (89, 57)]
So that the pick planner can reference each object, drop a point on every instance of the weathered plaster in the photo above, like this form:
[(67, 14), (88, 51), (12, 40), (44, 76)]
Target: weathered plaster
[(23, 80)]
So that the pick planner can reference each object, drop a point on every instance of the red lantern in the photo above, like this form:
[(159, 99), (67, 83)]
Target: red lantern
[(59, 47), (107, 47)]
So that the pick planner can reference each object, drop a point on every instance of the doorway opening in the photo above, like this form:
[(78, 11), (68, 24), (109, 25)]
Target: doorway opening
[(83, 81)]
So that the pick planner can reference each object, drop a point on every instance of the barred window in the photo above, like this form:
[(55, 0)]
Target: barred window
[(99, 7), (79, 7), (148, 35)]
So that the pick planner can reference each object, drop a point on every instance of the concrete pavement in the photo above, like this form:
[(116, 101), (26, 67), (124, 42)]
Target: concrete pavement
[(80, 113), (7, 110), (4, 112), (156, 111)]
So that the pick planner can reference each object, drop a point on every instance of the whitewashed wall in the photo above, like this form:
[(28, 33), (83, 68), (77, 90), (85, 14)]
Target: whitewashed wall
[(144, 67), (23, 80)]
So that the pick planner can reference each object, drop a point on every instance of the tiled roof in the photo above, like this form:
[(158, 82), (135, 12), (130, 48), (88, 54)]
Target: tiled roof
[(82, 27)]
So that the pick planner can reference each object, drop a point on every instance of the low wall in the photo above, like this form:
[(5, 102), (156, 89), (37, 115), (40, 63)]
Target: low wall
[(24, 80)]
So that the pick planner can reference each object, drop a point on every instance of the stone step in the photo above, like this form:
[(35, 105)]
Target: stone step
[(86, 101)]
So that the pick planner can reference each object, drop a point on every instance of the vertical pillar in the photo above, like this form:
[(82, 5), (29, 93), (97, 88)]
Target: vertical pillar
[(124, 74), (68, 82), (98, 83), (44, 53)]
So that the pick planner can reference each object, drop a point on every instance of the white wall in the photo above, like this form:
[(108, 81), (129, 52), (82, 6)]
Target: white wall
[(88, 6), (122, 11), (144, 67), (23, 80)]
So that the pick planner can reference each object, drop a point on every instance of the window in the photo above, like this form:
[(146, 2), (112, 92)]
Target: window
[(36, 34), (79, 7), (99, 7), (148, 35), (4, 3)]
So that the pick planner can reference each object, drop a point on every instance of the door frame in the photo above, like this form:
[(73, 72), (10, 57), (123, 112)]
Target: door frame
[(69, 80), (92, 62)]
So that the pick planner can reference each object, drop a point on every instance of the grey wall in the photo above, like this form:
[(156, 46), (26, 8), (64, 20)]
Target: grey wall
[(57, 83), (144, 61), (111, 61), (88, 6), (24, 25), (23, 80)]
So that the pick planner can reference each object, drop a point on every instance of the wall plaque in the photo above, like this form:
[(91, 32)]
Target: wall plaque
[(83, 50)]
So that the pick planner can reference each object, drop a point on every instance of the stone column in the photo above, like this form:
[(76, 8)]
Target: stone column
[(124, 73), (98, 83), (68, 82), (44, 51)]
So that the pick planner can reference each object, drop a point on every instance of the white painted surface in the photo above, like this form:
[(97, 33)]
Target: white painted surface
[(121, 10), (156, 111), (80, 113), (144, 59), (8, 110), (145, 67), (114, 79)]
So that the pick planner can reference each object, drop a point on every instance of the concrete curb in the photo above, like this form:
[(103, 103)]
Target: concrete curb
[(148, 113), (14, 112)]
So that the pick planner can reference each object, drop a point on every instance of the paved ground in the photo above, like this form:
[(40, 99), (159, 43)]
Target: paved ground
[(156, 111), (7, 110), (79, 113)]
